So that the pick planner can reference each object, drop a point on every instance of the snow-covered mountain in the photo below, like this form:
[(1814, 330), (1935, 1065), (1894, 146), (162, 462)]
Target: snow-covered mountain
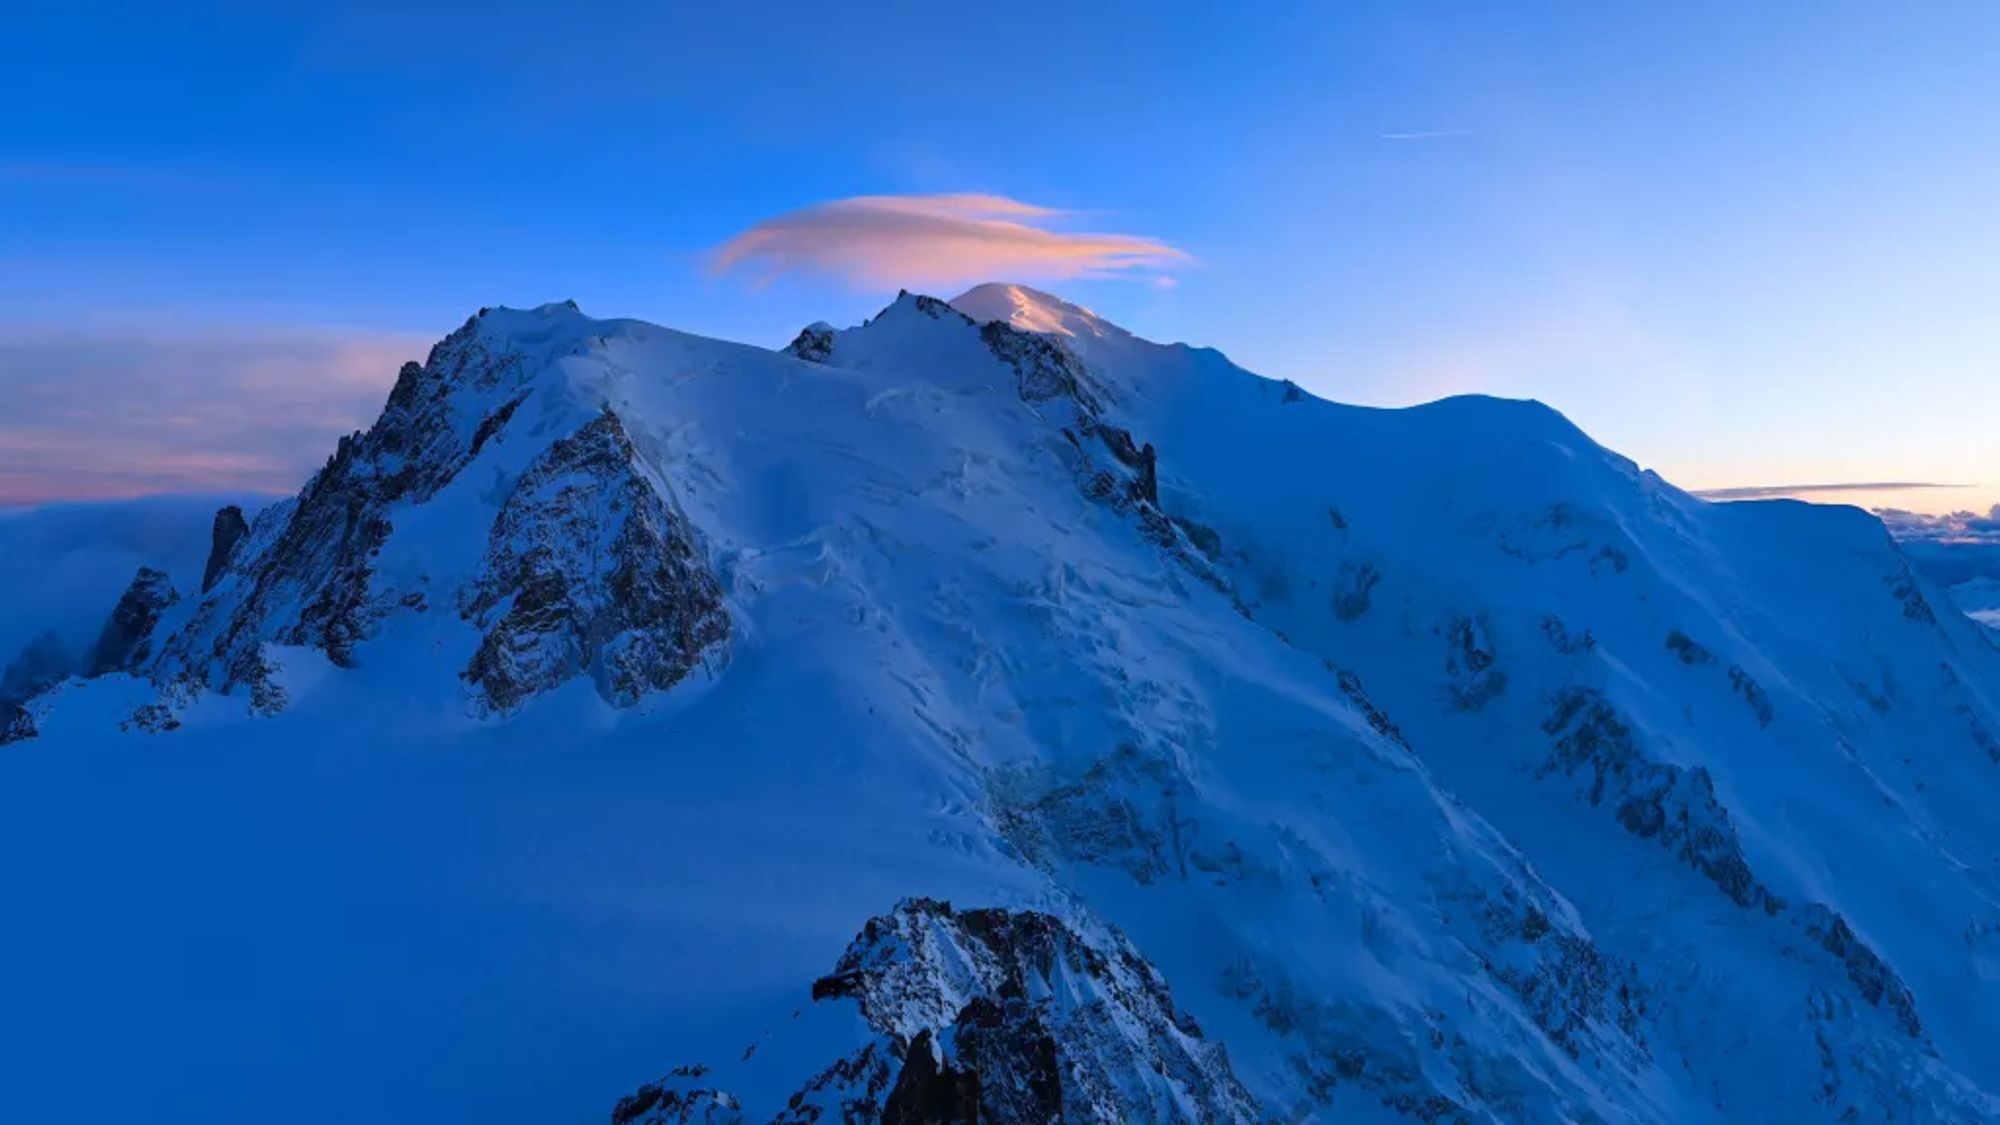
[(985, 714)]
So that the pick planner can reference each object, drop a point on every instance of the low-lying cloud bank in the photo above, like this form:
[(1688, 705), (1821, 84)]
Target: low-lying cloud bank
[(1957, 527), (62, 566), (99, 416), (1959, 551), (890, 241)]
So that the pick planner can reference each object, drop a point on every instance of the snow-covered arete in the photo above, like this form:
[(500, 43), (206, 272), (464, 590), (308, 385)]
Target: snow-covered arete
[(568, 726)]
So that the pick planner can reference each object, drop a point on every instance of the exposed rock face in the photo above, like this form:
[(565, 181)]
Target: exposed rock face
[(1050, 376), (679, 1099), (1870, 975), (1679, 809), (1044, 367), (995, 1017), (127, 638), (1752, 693), (814, 343), (229, 530), (1653, 800), (1137, 814), (933, 307), (1471, 666), (1350, 686), (16, 724), (310, 583), (1690, 651), (590, 570)]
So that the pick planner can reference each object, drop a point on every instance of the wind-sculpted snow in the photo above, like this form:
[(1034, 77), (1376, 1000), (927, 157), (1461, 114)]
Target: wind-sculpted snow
[(1452, 768)]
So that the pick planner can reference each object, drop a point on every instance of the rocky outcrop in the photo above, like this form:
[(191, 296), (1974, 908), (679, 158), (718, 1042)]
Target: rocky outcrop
[(1653, 800), (1049, 376), (1909, 594), (1472, 668), (1044, 368), (1377, 719), (306, 568), (1753, 693), (1420, 1064), (1679, 809), (678, 1099), (127, 638), (814, 343), (1866, 970), (590, 570), (994, 1017), (229, 529), (1690, 651), (17, 724)]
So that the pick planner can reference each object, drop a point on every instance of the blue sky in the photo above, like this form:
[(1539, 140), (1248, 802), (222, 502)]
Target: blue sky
[(1744, 244)]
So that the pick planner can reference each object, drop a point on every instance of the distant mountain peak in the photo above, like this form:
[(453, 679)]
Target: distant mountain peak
[(1033, 310)]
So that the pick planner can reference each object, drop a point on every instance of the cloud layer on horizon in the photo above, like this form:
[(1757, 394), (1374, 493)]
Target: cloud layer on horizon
[(62, 566), (1956, 527), (93, 416), (1784, 491), (884, 241)]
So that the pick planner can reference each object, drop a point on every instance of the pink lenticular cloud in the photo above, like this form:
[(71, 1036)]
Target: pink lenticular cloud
[(879, 241)]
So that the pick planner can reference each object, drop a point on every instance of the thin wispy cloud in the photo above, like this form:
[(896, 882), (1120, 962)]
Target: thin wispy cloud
[(883, 241), (1777, 491)]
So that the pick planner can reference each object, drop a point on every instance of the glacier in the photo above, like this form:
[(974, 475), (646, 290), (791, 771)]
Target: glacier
[(985, 713)]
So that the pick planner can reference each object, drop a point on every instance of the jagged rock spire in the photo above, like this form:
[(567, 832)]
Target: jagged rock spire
[(229, 530), (127, 638)]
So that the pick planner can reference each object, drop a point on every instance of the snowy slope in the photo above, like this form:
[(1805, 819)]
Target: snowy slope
[(1281, 760), (1980, 599)]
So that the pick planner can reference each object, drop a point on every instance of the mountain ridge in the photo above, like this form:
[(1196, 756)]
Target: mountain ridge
[(1446, 765)]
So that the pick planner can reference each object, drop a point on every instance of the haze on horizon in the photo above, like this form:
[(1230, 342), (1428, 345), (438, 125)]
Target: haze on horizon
[(1747, 248)]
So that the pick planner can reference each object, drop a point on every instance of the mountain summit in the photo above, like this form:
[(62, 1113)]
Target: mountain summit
[(985, 714), (1033, 311)]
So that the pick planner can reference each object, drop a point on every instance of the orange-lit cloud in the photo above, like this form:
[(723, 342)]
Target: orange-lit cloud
[(884, 241)]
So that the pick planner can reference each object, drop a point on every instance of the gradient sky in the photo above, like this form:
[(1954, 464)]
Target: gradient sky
[(1746, 244)]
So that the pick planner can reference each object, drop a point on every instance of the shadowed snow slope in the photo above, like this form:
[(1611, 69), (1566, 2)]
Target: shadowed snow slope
[(1278, 759)]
